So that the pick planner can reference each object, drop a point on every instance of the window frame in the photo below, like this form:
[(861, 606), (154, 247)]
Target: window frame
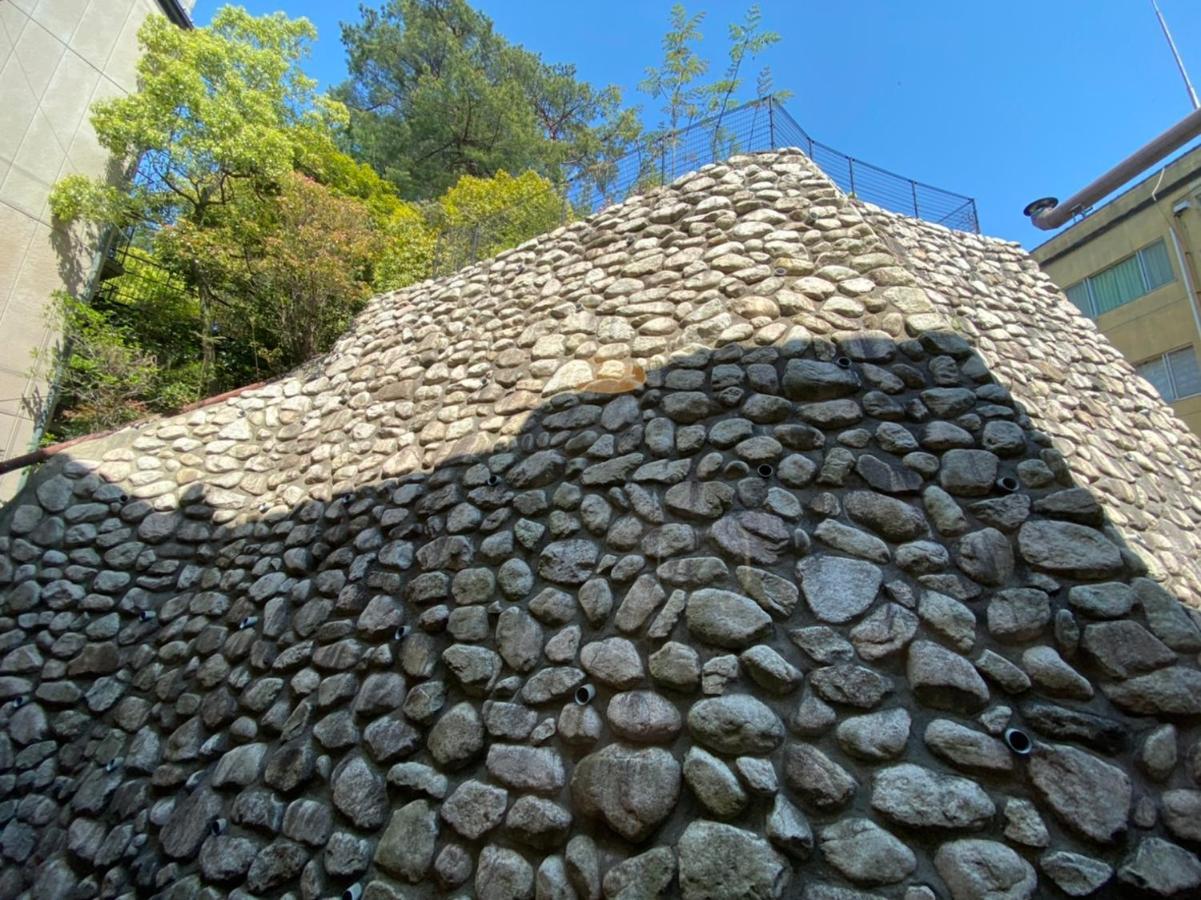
[(1143, 274), (1166, 358)]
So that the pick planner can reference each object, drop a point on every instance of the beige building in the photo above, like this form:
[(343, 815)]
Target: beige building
[(1131, 266), (56, 58)]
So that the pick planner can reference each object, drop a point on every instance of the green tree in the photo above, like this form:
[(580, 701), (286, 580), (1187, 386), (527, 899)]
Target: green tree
[(679, 84), (479, 217), (221, 121), (435, 93)]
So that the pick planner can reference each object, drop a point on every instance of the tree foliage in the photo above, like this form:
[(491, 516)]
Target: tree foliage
[(266, 213), (435, 93), (679, 84), (273, 262)]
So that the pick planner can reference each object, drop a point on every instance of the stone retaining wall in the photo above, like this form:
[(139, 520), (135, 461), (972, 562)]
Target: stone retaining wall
[(699, 548)]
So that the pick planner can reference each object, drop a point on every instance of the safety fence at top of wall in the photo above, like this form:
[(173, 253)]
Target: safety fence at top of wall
[(756, 126)]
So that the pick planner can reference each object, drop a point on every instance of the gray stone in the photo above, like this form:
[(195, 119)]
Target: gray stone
[(877, 736), (457, 737), (359, 793), (538, 822), (884, 632), (550, 684), (1166, 617), (851, 685), (596, 600), (1161, 868), (966, 748), (1181, 811), (1086, 794), (838, 589), (452, 866), (518, 639), (968, 473), (725, 619), (735, 724), (822, 644), (503, 874), (818, 780), (277, 863), (890, 479), (922, 798), (420, 778), (1110, 600), (1108, 735), (788, 829), (713, 784), (568, 562), (643, 717), (551, 881), (643, 877), (614, 662), (752, 536), (1158, 755), (1023, 825), (1074, 874), (776, 595), (583, 866), (475, 808), (406, 847), (699, 500), (948, 518), (1003, 438), (309, 822), (718, 860), (986, 556), (1065, 548), (949, 618), (474, 668), (1010, 678), (770, 670), (1018, 614), (226, 858), (866, 853), (809, 379), (1125, 648), (677, 666), (522, 768), (846, 539), (1048, 670), (895, 519), (944, 680), (632, 789), (642, 599), (984, 870), (189, 823), (1174, 691)]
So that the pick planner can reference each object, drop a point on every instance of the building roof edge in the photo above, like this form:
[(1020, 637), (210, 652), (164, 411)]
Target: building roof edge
[(174, 10)]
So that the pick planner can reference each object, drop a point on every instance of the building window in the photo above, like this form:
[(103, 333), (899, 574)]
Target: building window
[(1124, 281), (1175, 375)]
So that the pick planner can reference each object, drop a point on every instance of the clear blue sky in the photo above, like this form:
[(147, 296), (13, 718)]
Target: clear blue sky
[(1005, 101)]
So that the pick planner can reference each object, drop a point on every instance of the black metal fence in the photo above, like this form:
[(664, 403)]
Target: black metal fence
[(753, 127)]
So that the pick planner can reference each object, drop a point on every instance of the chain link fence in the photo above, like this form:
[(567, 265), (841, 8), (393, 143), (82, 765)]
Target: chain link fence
[(753, 127)]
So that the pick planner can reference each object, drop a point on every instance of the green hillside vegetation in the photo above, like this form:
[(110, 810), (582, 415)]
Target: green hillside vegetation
[(259, 215)]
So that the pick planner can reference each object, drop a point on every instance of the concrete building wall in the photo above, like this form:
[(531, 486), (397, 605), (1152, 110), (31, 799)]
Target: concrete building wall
[(1165, 319), (57, 57)]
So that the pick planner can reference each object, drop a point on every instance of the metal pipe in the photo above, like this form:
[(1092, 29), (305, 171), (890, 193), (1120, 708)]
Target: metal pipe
[(1188, 84), (1185, 274), (1048, 213)]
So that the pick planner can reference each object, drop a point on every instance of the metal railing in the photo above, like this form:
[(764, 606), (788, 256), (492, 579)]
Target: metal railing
[(756, 126)]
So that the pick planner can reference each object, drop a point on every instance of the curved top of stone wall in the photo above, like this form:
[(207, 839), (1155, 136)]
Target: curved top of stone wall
[(699, 548)]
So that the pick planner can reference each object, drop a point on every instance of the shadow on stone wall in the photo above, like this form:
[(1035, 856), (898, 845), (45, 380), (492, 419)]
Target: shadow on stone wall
[(766, 621)]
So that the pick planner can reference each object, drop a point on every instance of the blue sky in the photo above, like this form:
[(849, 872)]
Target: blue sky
[(1005, 101)]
